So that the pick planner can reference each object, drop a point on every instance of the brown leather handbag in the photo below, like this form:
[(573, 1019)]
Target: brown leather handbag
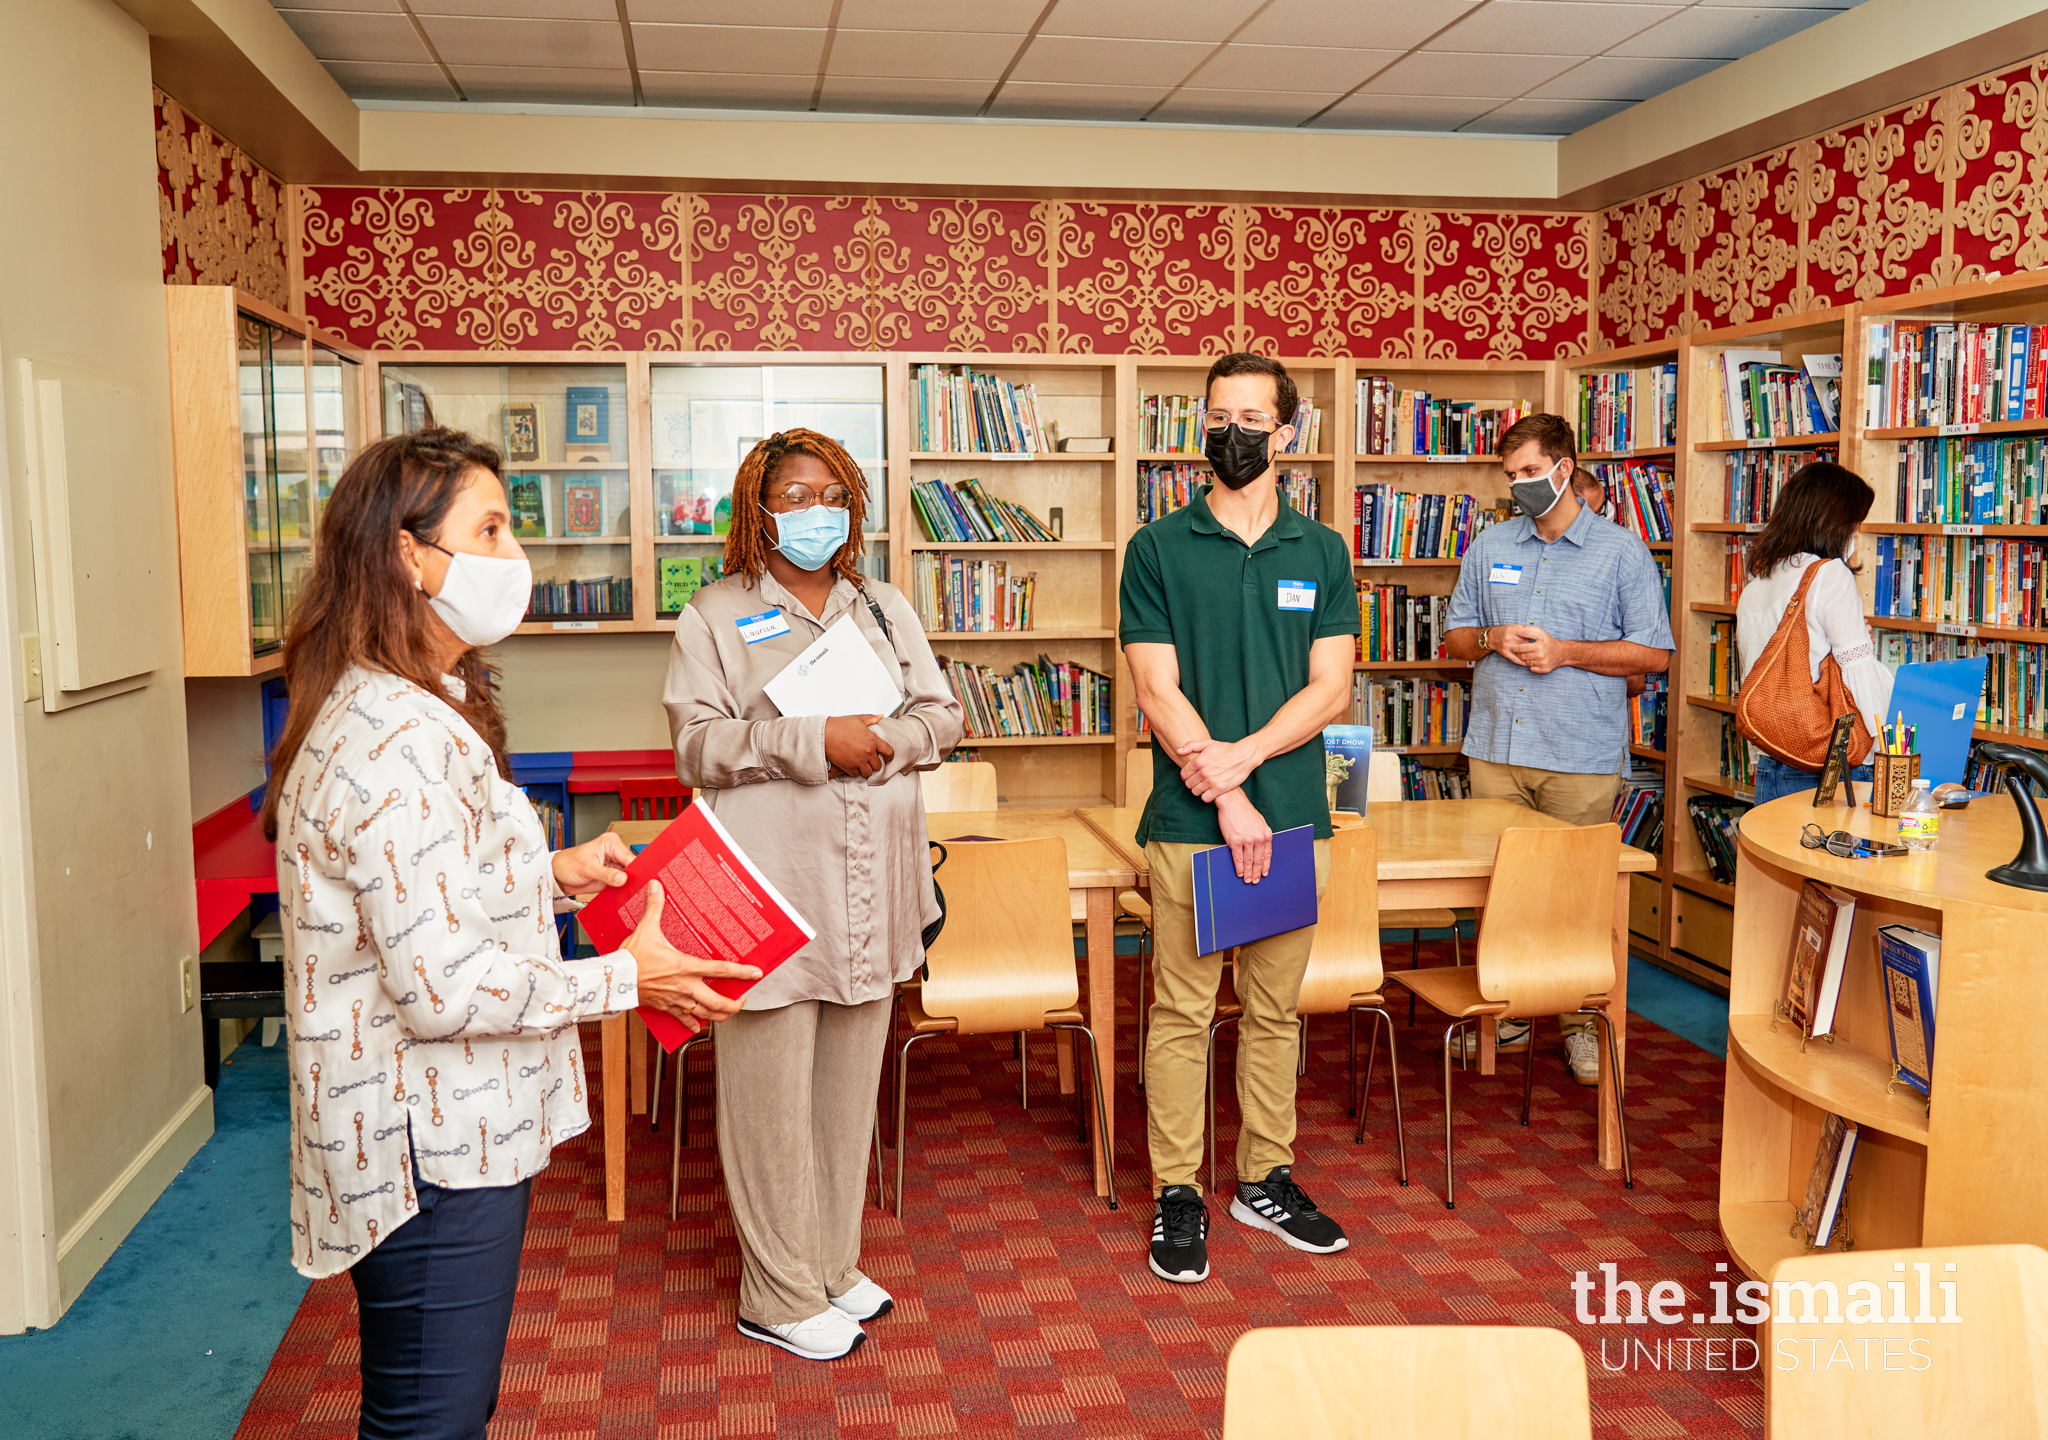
[(1785, 712)]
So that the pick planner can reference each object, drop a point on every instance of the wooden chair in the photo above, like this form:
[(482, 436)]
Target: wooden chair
[(1383, 782), (959, 785), (1344, 976), (1987, 1375), (1420, 1382), (658, 798), (1552, 953), (1005, 962)]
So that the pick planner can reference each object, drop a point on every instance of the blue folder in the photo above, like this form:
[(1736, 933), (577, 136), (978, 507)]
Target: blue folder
[(1939, 699), (1229, 912)]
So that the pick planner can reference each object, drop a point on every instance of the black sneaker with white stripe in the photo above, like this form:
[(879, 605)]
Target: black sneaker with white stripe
[(1180, 1235), (1277, 1204)]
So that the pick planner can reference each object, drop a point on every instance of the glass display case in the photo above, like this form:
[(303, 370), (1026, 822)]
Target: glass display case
[(562, 430), (704, 418)]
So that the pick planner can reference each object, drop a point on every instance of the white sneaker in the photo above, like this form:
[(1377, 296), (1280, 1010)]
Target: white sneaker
[(865, 1301), (825, 1336), (1583, 1050), (1511, 1038)]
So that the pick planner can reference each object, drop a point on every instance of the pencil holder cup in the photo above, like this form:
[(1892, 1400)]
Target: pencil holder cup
[(1892, 778)]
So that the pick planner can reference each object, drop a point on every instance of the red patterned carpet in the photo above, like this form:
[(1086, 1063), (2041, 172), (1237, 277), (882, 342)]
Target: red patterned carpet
[(1023, 1304)]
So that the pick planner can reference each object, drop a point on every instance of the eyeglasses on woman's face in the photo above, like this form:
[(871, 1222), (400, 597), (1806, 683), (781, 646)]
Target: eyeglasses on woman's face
[(793, 495)]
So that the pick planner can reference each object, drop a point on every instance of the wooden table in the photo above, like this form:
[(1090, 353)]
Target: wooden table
[(1439, 853), (1095, 872)]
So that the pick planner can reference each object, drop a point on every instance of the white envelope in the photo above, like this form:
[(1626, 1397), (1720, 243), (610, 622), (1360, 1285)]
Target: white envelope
[(840, 674)]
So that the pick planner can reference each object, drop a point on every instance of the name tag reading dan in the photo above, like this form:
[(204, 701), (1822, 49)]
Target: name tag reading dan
[(1504, 575), (765, 626), (1297, 594)]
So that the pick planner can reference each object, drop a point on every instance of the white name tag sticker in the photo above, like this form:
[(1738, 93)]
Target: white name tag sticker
[(765, 626), (1504, 575), (1297, 594)]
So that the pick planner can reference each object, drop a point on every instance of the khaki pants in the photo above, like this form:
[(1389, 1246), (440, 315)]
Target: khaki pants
[(796, 1117), (1562, 795), (1176, 1046)]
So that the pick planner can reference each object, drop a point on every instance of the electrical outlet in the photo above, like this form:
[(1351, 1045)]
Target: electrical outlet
[(31, 667), (188, 983)]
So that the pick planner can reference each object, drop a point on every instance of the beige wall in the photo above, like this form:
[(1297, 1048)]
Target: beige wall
[(107, 798), (584, 692), (223, 741)]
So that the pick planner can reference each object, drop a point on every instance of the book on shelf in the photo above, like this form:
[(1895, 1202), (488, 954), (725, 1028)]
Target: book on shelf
[(1818, 957), (527, 497), (1405, 712), (1639, 807), (582, 510), (1392, 421), (1170, 424), (1737, 564), (1629, 409), (1910, 961), (1394, 625), (1389, 523), (1166, 486), (1724, 674), (1307, 438), (1347, 765), (964, 594), (1433, 782), (1298, 488), (1046, 699), (588, 430), (1714, 819), (1971, 480), (1738, 756), (964, 513), (1755, 477), (975, 412), (604, 597), (1954, 373), (1819, 1219), (1957, 580), (1640, 495), (1649, 713), (2015, 681), (680, 577), (1764, 399)]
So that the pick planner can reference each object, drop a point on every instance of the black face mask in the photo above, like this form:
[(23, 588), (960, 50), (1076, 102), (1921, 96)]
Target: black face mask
[(1237, 455)]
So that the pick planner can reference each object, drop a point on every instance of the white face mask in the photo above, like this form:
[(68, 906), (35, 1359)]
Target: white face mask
[(483, 597)]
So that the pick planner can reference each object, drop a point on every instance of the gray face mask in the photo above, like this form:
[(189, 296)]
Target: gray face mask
[(1536, 498)]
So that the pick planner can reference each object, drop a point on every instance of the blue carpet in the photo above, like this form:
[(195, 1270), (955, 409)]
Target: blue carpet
[(1679, 1006), (169, 1340)]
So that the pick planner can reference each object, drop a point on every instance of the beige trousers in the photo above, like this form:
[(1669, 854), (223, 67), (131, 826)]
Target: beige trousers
[(796, 1116), (1176, 1045), (1562, 795)]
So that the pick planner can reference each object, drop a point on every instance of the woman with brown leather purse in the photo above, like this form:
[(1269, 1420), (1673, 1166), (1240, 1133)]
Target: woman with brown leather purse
[(1802, 569)]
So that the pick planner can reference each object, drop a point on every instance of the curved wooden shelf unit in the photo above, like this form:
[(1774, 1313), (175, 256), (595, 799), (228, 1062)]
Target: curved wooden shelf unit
[(1969, 1168)]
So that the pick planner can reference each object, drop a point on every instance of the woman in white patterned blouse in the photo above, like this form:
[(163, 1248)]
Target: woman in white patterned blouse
[(434, 1051)]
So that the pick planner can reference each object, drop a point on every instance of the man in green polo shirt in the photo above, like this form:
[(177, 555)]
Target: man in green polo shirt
[(1239, 621)]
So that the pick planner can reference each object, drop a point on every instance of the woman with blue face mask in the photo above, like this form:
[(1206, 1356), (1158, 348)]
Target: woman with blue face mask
[(831, 809)]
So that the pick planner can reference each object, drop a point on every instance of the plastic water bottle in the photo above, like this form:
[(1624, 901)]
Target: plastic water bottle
[(1920, 821)]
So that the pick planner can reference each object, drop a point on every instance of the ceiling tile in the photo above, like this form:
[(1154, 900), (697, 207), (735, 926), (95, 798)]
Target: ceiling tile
[(1208, 20), (1609, 77), (1291, 67), (1242, 107), (1026, 100), (1356, 24), (1726, 34), (900, 53), (1402, 112), (377, 80), (1063, 60), (607, 10), (1829, 5), (732, 49), (339, 35), (1500, 77), (580, 44), (686, 90), (797, 14), (545, 84), (991, 17), (1549, 27), (865, 95), (380, 7), (1545, 117)]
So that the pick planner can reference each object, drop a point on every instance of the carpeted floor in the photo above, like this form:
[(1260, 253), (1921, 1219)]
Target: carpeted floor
[(1024, 1304)]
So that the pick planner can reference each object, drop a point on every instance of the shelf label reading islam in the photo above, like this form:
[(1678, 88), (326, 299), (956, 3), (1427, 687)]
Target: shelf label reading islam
[(1962, 529), (1944, 628), (1970, 428)]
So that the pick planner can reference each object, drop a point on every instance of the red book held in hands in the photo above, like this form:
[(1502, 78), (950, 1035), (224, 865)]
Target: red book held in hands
[(715, 904)]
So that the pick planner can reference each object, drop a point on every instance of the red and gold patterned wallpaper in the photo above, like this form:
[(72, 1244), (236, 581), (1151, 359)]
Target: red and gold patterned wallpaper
[(1951, 187), (222, 216)]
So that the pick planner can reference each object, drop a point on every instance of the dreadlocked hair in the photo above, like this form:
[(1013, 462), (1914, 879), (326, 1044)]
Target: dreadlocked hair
[(753, 530)]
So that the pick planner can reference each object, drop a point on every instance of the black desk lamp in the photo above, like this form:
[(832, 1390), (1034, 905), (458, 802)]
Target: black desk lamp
[(2028, 869)]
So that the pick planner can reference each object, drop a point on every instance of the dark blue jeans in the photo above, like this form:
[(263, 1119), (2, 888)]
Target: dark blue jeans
[(436, 1304), (1774, 778)]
